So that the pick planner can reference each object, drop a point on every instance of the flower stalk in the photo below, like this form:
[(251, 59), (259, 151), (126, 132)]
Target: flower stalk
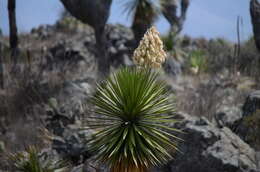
[(150, 52), (134, 112)]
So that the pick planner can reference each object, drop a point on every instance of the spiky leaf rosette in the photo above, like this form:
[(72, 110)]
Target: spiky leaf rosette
[(132, 113), (32, 161)]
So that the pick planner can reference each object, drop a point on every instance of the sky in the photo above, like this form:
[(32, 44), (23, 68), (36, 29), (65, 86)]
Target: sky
[(205, 18)]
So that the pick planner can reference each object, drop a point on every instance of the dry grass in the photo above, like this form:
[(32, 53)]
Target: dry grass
[(41, 71), (203, 95), (22, 101)]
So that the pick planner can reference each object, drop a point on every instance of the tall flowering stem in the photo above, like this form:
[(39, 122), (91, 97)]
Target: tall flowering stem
[(134, 112)]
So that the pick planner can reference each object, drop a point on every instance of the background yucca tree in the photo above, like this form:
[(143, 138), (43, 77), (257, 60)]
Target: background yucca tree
[(32, 161), (133, 109), (169, 11), (94, 13), (144, 14)]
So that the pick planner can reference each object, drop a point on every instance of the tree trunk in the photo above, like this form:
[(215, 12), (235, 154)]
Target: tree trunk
[(255, 19), (169, 11), (1, 67), (144, 17), (184, 7), (139, 28), (12, 26), (94, 13), (102, 53)]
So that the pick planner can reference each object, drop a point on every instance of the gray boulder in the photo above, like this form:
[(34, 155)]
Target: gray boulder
[(227, 116), (172, 66), (72, 55), (120, 45), (252, 103), (244, 128), (64, 120), (210, 149)]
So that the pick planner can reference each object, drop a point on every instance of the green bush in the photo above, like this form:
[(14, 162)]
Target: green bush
[(168, 42), (32, 161), (133, 115), (198, 61)]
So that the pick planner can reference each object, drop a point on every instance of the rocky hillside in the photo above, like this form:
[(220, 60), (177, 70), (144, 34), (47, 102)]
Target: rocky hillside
[(57, 74)]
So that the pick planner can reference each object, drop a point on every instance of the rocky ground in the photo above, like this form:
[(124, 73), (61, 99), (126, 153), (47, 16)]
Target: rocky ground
[(58, 62)]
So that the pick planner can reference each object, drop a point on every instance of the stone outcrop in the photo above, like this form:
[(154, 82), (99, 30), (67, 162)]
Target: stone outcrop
[(228, 116), (210, 149)]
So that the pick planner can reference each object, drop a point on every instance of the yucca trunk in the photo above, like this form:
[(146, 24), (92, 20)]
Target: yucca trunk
[(169, 10), (144, 17), (184, 7), (94, 13), (102, 53), (255, 15), (13, 38), (1, 68)]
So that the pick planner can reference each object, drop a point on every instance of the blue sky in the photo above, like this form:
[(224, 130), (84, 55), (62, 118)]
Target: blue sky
[(206, 18)]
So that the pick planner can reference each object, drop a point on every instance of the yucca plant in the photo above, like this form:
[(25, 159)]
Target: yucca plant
[(198, 61), (133, 113), (169, 9), (31, 161), (144, 13)]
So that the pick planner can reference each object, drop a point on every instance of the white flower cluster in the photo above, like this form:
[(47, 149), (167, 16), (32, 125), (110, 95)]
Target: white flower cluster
[(150, 51)]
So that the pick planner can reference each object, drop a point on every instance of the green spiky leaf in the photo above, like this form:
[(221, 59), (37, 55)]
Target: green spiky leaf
[(31, 161), (133, 111)]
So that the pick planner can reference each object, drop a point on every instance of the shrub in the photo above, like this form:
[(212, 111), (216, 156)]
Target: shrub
[(168, 41), (248, 59), (133, 114), (198, 61), (32, 161), (220, 55)]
